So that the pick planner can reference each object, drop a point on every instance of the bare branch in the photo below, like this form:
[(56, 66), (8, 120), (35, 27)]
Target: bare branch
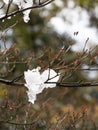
[(72, 68), (12, 82), (75, 84), (9, 4), (14, 123)]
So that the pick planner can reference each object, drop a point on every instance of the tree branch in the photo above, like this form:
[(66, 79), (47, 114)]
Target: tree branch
[(12, 82), (14, 123), (22, 10), (75, 84), (15, 82), (8, 7)]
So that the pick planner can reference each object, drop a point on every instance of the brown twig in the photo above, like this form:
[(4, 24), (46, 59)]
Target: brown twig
[(14, 123)]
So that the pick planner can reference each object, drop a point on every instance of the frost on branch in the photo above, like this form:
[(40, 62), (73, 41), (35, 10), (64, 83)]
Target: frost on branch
[(22, 4), (35, 81)]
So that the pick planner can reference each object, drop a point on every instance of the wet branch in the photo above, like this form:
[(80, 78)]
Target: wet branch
[(13, 82), (75, 84)]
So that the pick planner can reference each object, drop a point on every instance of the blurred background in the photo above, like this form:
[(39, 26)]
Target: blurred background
[(72, 23)]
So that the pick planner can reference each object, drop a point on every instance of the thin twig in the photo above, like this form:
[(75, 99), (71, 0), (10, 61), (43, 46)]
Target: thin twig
[(14, 123), (75, 84), (9, 4)]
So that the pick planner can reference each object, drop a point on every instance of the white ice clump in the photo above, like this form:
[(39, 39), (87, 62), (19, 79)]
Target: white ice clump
[(22, 4), (52, 78), (35, 81)]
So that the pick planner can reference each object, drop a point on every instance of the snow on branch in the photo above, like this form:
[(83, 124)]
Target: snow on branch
[(35, 81), (24, 6)]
